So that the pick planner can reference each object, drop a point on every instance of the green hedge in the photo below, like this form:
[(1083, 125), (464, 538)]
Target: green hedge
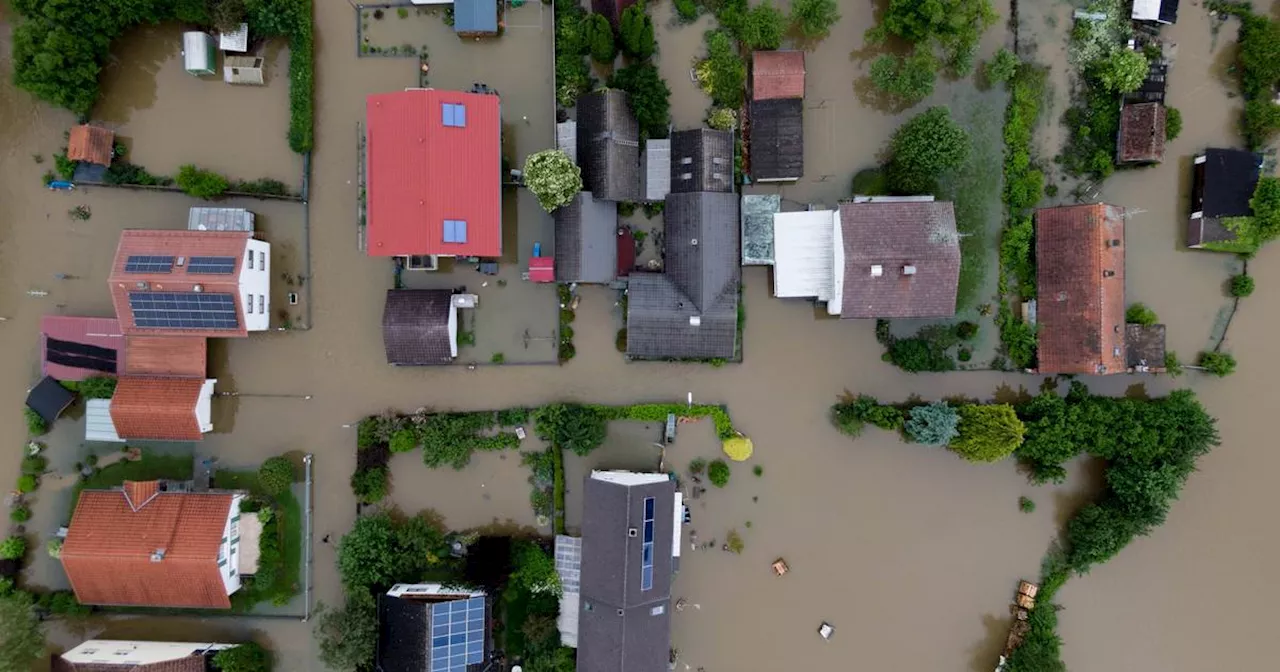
[(558, 489)]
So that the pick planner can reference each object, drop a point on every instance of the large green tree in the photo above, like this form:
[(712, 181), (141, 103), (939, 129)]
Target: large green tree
[(812, 19), (1121, 72), (762, 27), (379, 551), (650, 97), (723, 73), (598, 34), (908, 79), (553, 177), (535, 571), (987, 432), (635, 30), (249, 657), (22, 642), (348, 636), (953, 26), (925, 148)]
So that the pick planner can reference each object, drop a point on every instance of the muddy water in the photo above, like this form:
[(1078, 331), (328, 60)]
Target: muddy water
[(910, 553)]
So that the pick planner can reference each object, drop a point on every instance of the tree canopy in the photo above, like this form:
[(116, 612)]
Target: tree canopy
[(276, 475), (1121, 72), (598, 33), (380, 551), (553, 177), (953, 26), (635, 29), (535, 571), (813, 19), (23, 642), (723, 73), (348, 636), (1002, 67), (987, 433), (762, 27), (924, 148), (932, 424), (248, 657), (571, 427), (650, 97), (908, 79)]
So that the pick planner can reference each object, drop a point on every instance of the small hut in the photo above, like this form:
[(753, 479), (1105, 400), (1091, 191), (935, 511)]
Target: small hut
[(91, 144), (199, 55), (243, 70)]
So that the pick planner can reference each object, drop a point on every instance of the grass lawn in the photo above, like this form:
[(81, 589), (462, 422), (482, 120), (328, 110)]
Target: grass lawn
[(151, 467), (288, 526), (975, 192)]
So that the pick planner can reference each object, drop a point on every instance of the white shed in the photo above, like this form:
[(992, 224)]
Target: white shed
[(198, 54), (242, 70)]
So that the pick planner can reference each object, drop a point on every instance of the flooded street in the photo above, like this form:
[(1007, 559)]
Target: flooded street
[(911, 553)]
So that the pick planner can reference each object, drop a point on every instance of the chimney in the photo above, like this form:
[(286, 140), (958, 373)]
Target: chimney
[(908, 270), (157, 555), (877, 270)]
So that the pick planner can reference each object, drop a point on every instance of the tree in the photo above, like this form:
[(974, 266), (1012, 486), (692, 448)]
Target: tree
[(1266, 209), (249, 657), (1241, 285), (403, 441), (1172, 123), (932, 424), (13, 548), (572, 427), (559, 659), (598, 34), (535, 571), (814, 18), (1121, 72), (204, 184), (276, 475), (762, 27), (718, 473), (378, 551), (98, 387), (1259, 56), (36, 425), (23, 642), (1261, 121), (1220, 364), (348, 637), (635, 30), (954, 26), (909, 79), (722, 74), (1139, 313), (1002, 67), (553, 177), (226, 15), (650, 97), (987, 433), (923, 149)]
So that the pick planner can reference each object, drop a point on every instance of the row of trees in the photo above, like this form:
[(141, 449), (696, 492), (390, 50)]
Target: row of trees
[(975, 432)]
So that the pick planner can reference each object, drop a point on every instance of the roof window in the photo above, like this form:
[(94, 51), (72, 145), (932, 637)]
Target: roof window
[(455, 231)]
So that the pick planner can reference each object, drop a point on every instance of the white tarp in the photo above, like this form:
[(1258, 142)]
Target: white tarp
[(803, 254), (1146, 10)]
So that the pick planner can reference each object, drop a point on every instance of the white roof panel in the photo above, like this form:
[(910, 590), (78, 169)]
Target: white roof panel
[(1146, 10), (97, 422), (803, 254), (237, 41)]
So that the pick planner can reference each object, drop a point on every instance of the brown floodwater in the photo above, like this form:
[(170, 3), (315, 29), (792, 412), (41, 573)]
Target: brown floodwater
[(910, 553)]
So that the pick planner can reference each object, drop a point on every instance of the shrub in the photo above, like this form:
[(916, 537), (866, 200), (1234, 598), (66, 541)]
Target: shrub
[(1259, 59), (403, 441), (27, 483), (914, 355), (1261, 121), (923, 149), (733, 541), (718, 473), (966, 330), (98, 387), (1002, 67), (66, 167), (907, 80), (885, 417), (757, 470), (687, 10), (599, 38), (1026, 505), (1172, 365), (813, 18), (697, 466), (36, 425), (650, 97), (635, 30), (370, 485), (870, 182), (1219, 364), (1172, 123), (572, 427), (123, 172), (722, 119), (620, 341), (498, 358), (933, 424), (723, 74), (762, 27), (34, 464), (276, 475), (1122, 72), (20, 514), (250, 657), (1139, 313), (553, 177), (1241, 285), (987, 433), (13, 548), (204, 184), (850, 415)]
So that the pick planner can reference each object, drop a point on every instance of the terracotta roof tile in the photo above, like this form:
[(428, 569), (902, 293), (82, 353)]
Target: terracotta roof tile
[(1142, 133), (777, 74), (109, 549), (894, 236), (177, 356), (157, 408), (91, 144), (1080, 285), (192, 663)]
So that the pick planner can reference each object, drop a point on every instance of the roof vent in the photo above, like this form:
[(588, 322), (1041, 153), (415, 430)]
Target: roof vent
[(620, 612), (180, 261), (695, 320), (694, 241), (631, 532), (908, 270), (157, 555), (1114, 242), (1062, 296), (197, 288), (877, 270), (141, 284), (1108, 274)]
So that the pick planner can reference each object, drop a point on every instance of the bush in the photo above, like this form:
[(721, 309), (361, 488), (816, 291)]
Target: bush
[(718, 473), (956, 26), (1002, 67), (20, 514), (906, 80), (650, 97), (925, 148), (966, 331), (264, 185), (1139, 313), (870, 182), (757, 470), (27, 483), (620, 341), (1172, 123), (1259, 59), (378, 551), (34, 464), (933, 424), (13, 548), (914, 355), (813, 18), (722, 119), (580, 429), (66, 167), (370, 485), (553, 177), (697, 465), (1241, 285), (687, 10), (276, 475), (599, 38), (204, 184), (348, 636), (36, 425), (1026, 505), (635, 30), (98, 387), (123, 172), (723, 74), (248, 657), (885, 417), (733, 541), (987, 433), (403, 441), (762, 27), (1220, 364), (1122, 72), (851, 414)]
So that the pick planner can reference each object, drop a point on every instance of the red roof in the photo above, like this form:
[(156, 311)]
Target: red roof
[(1080, 287), (161, 409), (96, 332), (542, 269), (177, 356), (91, 144), (112, 550), (421, 173), (777, 74), (182, 246)]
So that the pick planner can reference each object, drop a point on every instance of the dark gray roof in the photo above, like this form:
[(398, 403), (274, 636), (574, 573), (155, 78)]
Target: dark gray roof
[(402, 635), (701, 160), (586, 240), (691, 310), (777, 139), (609, 146), (475, 16), (618, 630), (415, 327), (49, 399), (1221, 187), (1144, 345)]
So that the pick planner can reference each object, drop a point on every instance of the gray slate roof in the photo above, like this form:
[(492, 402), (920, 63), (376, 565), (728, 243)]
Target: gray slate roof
[(777, 139), (415, 327), (617, 629), (701, 281), (586, 240), (475, 16), (657, 169), (609, 146), (894, 235), (701, 160)]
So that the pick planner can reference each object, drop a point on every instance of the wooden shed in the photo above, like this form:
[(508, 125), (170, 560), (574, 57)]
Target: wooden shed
[(243, 70)]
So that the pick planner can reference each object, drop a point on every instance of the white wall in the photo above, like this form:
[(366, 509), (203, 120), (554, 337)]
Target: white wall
[(128, 652), (255, 286), (204, 405), (229, 552)]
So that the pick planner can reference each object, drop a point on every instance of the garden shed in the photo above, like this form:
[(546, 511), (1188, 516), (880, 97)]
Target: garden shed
[(1142, 133), (91, 144), (243, 70), (199, 57), (475, 17), (1222, 184), (49, 399)]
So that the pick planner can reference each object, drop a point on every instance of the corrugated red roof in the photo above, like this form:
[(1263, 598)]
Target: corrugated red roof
[(1080, 287), (421, 173), (177, 356), (99, 332), (162, 409), (109, 550), (777, 74), (178, 244), (91, 144)]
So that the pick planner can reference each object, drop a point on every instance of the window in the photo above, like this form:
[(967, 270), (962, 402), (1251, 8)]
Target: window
[(455, 231), (262, 261), (455, 115), (658, 610), (262, 304), (249, 304), (249, 261), (646, 548)]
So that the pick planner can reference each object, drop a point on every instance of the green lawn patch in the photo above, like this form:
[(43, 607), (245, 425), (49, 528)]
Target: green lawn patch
[(152, 466), (280, 548)]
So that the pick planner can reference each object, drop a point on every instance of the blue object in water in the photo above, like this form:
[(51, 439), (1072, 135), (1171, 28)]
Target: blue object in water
[(60, 185), (537, 249)]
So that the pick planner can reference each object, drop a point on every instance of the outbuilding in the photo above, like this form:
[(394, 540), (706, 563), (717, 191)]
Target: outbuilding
[(199, 53)]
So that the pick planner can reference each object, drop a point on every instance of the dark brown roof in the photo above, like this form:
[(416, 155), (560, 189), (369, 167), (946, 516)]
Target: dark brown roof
[(1142, 133), (1080, 282), (777, 74), (91, 144), (776, 131), (701, 160), (1144, 346), (609, 146), (415, 327), (919, 236)]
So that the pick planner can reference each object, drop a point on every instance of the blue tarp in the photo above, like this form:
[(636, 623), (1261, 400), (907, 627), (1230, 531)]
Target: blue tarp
[(475, 16)]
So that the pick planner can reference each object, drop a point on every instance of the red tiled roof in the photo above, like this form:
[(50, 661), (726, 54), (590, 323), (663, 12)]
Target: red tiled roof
[(177, 356), (1142, 128), (91, 144), (894, 236), (184, 244), (192, 663), (100, 332), (162, 409), (777, 74), (109, 549), (421, 172), (1080, 287)]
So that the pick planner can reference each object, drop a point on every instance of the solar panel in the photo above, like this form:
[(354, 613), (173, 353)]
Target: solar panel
[(183, 310), (457, 634), (646, 547), (212, 265), (147, 263)]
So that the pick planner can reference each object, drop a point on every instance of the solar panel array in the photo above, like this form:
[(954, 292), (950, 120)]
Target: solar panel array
[(569, 563), (212, 265), (148, 263), (183, 310), (646, 552), (457, 634)]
